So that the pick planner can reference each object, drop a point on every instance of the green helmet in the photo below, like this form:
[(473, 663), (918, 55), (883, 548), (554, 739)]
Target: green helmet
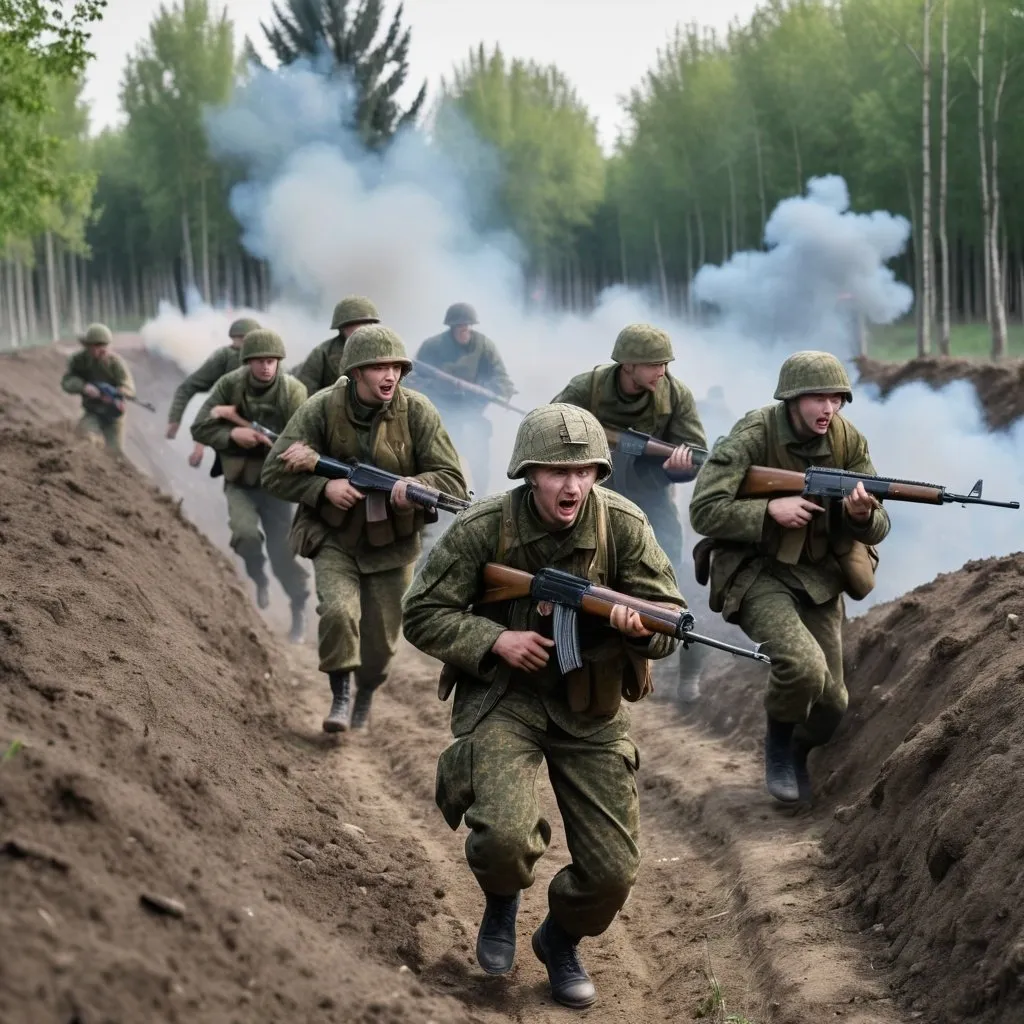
[(642, 343), (354, 310), (262, 344), (97, 334), (557, 435), (813, 373), (240, 328), (460, 313), (372, 344)]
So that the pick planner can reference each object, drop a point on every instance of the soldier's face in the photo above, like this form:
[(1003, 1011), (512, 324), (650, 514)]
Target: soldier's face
[(812, 414), (461, 333), (376, 385), (645, 376), (236, 340), (559, 492), (264, 369), (99, 352)]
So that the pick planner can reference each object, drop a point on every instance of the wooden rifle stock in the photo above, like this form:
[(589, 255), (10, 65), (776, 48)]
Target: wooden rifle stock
[(641, 445)]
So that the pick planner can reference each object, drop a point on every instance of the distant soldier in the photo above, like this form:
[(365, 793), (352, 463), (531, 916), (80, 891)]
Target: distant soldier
[(777, 565), (363, 546), (221, 361), (636, 390), (322, 367), (715, 413), (258, 391), (514, 711), (470, 356), (86, 374)]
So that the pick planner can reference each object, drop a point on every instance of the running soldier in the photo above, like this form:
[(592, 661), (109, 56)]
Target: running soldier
[(322, 367)]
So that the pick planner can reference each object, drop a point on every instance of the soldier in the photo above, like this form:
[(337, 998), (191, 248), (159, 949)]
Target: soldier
[(363, 546), (221, 361), (258, 391), (95, 364), (513, 710), (322, 367), (471, 356), (636, 390), (776, 565)]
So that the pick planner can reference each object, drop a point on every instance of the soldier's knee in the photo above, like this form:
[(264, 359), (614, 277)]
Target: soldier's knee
[(246, 538), (336, 614)]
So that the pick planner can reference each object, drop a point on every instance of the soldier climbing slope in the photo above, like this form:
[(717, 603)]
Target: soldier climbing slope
[(513, 708), (322, 367), (221, 361), (363, 546), (259, 391)]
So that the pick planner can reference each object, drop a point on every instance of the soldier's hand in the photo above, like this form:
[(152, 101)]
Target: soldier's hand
[(299, 458), (793, 512), (90, 391), (172, 431), (523, 649), (196, 458), (224, 412), (246, 437), (398, 495), (680, 461), (859, 504), (342, 493), (627, 621)]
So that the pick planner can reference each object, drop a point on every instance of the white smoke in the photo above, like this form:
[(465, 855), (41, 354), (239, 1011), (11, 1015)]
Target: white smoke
[(333, 220)]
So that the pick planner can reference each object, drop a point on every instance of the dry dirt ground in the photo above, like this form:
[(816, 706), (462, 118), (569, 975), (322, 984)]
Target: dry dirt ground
[(179, 842)]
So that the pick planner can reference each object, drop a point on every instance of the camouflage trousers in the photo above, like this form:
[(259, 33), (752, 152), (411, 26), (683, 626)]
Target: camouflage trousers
[(248, 509), (360, 615), (805, 643), (111, 430), (490, 777)]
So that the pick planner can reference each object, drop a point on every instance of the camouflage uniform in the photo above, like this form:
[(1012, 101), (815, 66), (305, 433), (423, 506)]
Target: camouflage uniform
[(221, 361), (99, 418), (478, 362), (670, 415), (249, 505), (784, 587), (362, 569), (508, 723), (322, 367)]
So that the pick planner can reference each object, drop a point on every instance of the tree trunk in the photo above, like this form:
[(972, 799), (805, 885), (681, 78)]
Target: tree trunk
[(186, 254), (31, 304), (51, 288), (689, 265), (924, 336), (11, 303), (662, 280), (998, 295), (915, 234), (800, 183), (733, 210), (986, 209), (19, 300), (264, 284), (622, 249), (944, 329), (762, 198), (205, 228), (725, 235), (701, 239)]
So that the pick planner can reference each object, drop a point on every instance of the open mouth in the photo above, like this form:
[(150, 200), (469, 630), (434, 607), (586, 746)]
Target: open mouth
[(568, 506), (386, 390)]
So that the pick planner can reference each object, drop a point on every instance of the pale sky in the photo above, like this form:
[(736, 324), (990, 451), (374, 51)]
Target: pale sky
[(603, 46)]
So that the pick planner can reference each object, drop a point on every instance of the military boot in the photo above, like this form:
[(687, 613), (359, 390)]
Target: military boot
[(341, 702), (556, 950), (496, 939), (298, 631), (779, 767), (803, 776), (361, 708)]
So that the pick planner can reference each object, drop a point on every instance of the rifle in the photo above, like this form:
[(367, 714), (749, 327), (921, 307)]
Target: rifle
[(572, 594), (465, 386), (233, 416), (111, 396), (637, 444), (828, 482)]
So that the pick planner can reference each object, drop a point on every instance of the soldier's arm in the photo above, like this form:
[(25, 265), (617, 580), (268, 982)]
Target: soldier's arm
[(214, 433), (496, 376), (437, 461), (715, 510), (125, 383), (198, 382), (308, 425), (876, 529), (576, 392), (72, 382), (435, 610), (297, 394), (685, 426)]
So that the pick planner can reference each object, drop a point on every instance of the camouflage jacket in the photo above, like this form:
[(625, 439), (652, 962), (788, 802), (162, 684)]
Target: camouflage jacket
[(751, 541), (405, 437), (82, 369), (221, 361), (322, 367), (478, 362), (439, 618)]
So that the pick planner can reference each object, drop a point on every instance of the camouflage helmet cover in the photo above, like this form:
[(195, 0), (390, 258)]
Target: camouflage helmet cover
[(97, 334), (813, 373), (460, 313), (356, 309), (262, 344), (560, 435), (642, 343), (240, 328), (373, 344)]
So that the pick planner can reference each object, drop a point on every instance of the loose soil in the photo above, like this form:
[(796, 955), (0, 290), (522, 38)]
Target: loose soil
[(179, 841)]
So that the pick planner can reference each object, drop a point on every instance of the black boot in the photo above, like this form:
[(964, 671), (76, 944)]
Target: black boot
[(779, 769), (803, 776), (298, 631), (263, 593), (496, 940), (361, 708), (556, 950), (341, 704)]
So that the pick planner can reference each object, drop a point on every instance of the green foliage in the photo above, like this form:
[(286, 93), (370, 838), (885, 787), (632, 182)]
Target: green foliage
[(12, 750), (319, 30)]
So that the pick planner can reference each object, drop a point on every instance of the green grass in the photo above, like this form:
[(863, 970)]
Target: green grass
[(12, 749), (896, 343)]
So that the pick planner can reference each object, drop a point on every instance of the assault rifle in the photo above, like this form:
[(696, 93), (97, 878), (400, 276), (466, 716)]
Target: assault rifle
[(637, 444), (827, 482), (571, 595), (111, 396), (465, 386)]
